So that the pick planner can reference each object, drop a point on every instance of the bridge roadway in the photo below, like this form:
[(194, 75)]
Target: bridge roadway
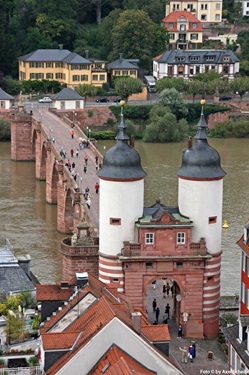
[(57, 128)]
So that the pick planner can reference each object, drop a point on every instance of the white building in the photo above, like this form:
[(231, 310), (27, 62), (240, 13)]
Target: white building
[(187, 63)]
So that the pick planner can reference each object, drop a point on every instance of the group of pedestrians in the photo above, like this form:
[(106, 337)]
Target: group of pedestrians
[(188, 353)]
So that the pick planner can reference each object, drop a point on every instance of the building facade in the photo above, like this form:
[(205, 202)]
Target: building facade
[(237, 335), (187, 63), (63, 66), (140, 245), (185, 30), (209, 11)]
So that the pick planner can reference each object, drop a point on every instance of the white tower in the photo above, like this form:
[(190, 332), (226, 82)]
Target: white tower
[(121, 203), (200, 197), (200, 189)]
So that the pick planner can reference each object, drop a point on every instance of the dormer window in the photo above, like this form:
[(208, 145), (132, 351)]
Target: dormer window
[(226, 58), (210, 58), (182, 27), (170, 25), (194, 25), (180, 58), (194, 58)]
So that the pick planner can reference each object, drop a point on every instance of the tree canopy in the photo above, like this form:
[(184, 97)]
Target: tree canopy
[(126, 86), (173, 100)]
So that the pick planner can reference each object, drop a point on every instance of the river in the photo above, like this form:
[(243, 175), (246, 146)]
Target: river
[(30, 223)]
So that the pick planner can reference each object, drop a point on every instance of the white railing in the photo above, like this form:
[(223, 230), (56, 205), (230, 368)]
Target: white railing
[(21, 371)]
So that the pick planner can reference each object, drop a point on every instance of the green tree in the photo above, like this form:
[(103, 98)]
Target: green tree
[(211, 75), (164, 127), (154, 8), (240, 85), (172, 99), (5, 135), (86, 90), (133, 35), (194, 88), (126, 86), (244, 68), (168, 83), (105, 35)]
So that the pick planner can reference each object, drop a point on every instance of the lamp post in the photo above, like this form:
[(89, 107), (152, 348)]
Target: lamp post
[(74, 117), (89, 135), (87, 128)]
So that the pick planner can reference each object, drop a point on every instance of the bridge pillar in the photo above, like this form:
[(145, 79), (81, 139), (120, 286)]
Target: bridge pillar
[(52, 178), (21, 136)]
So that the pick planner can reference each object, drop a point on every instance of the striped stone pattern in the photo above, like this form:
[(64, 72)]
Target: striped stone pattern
[(211, 296), (111, 272)]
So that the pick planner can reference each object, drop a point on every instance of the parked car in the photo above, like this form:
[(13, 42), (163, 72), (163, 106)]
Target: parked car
[(118, 100), (102, 100), (46, 99), (225, 97)]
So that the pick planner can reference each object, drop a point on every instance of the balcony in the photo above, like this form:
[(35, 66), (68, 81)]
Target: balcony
[(135, 250)]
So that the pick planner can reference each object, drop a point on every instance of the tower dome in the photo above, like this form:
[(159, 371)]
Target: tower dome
[(121, 161), (201, 161)]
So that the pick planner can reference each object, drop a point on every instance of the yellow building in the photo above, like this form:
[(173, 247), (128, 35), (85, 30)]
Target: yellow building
[(63, 66), (123, 67), (209, 11)]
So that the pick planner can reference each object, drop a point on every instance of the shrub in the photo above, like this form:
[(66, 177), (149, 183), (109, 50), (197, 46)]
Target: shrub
[(194, 111), (231, 128), (5, 133), (104, 135), (133, 112), (33, 361)]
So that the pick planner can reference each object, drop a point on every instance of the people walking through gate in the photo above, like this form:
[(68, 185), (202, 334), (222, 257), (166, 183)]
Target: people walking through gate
[(154, 304), (97, 187), (157, 313), (167, 308), (168, 288), (88, 202), (72, 134), (164, 291), (184, 354), (179, 331)]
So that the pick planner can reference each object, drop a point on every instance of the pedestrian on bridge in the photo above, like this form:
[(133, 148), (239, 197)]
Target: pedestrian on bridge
[(85, 169), (88, 202), (72, 153), (97, 187), (73, 164), (86, 159), (72, 134), (77, 153)]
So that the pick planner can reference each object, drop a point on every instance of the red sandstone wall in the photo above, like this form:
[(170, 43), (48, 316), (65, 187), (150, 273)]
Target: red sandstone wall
[(21, 135)]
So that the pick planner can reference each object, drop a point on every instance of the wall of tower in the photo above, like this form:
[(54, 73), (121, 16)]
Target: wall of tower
[(111, 272), (211, 296), (83, 258), (201, 201), (121, 204)]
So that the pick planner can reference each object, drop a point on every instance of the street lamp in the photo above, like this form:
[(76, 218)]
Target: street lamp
[(89, 136), (74, 117), (87, 128)]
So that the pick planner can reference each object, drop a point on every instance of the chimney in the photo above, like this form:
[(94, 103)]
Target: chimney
[(82, 279), (137, 321), (60, 47), (120, 57), (87, 53)]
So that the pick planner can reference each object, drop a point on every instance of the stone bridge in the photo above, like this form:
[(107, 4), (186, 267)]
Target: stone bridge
[(31, 140)]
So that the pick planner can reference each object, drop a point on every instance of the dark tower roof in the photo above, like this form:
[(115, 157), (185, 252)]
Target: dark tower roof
[(200, 160), (121, 161)]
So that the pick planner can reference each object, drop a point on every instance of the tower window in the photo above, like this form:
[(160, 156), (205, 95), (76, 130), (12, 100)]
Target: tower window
[(181, 238), (149, 238), (149, 265), (115, 221), (179, 264), (212, 220)]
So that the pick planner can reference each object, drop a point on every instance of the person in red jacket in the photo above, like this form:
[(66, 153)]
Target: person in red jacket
[(97, 187)]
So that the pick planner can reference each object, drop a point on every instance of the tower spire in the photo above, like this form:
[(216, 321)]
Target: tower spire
[(202, 124)]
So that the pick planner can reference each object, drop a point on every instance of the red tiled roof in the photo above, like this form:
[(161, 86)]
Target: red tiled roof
[(59, 340), (157, 57), (174, 17), (156, 333), (119, 363), (52, 293)]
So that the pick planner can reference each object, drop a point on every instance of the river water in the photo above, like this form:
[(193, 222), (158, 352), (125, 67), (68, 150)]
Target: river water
[(30, 223)]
